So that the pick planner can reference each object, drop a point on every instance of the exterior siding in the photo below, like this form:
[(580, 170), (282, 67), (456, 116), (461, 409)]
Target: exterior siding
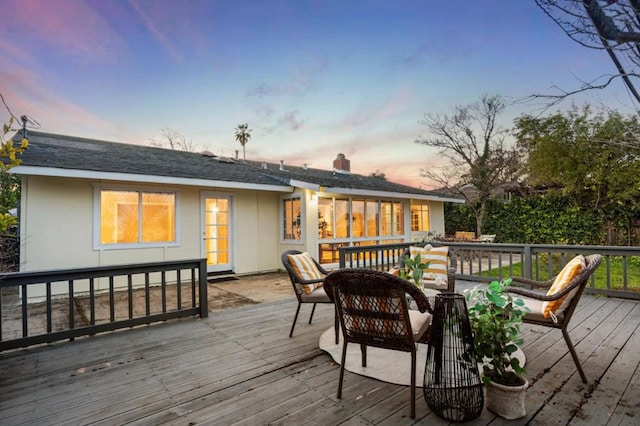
[(57, 228)]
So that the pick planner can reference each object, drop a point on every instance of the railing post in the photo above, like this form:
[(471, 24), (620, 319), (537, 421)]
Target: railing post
[(202, 295), (528, 262), (341, 262)]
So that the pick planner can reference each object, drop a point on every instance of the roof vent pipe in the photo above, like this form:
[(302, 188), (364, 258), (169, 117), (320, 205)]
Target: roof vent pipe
[(304, 167), (263, 166), (281, 165), (237, 154)]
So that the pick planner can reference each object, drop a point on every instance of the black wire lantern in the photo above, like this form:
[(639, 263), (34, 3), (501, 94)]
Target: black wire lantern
[(452, 388)]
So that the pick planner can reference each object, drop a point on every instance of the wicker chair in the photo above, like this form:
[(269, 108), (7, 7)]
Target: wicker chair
[(534, 301), (451, 271), (317, 296), (373, 311)]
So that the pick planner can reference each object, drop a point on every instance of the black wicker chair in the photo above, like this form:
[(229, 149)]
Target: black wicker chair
[(373, 311), (533, 300), (317, 296)]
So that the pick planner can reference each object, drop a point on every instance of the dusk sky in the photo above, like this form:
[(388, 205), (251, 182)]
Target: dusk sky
[(311, 78)]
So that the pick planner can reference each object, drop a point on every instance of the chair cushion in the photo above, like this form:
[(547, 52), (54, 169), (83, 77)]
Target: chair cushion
[(438, 284), (568, 273), (419, 323), (305, 268), (319, 295), (535, 310)]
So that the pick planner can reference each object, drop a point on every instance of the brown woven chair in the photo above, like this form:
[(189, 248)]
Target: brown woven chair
[(373, 311), (534, 300), (451, 270), (317, 296)]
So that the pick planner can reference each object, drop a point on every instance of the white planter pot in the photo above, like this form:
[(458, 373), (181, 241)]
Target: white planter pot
[(507, 401)]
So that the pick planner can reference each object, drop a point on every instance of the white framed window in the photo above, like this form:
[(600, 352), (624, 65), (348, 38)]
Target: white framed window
[(129, 217), (420, 218), (291, 219), (357, 221)]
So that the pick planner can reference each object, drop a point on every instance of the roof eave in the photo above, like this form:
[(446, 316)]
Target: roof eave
[(138, 178), (392, 194)]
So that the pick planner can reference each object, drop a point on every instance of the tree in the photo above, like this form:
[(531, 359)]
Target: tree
[(593, 159), (474, 144), (9, 184), (243, 134), (611, 25), (378, 174), (173, 140)]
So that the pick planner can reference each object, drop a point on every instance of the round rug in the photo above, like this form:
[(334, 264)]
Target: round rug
[(383, 364)]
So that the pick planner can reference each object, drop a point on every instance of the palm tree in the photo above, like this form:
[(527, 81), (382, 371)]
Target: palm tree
[(243, 134)]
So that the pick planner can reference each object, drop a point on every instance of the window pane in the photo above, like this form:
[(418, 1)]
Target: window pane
[(158, 217), (118, 217), (292, 222), (398, 218), (385, 212), (420, 217), (328, 253), (372, 218), (342, 218), (357, 211), (325, 218)]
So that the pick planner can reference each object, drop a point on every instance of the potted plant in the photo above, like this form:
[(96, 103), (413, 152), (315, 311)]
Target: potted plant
[(413, 270), (495, 318)]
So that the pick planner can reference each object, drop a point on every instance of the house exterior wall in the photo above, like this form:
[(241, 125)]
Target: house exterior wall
[(436, 217), (57, 228)]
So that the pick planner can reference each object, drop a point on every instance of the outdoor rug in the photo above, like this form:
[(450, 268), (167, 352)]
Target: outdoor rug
[(382, 364)]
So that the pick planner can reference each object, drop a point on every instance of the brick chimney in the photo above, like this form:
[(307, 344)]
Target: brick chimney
[(342, 165)]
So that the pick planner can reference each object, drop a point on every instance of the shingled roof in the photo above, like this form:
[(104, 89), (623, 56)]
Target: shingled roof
[(58, 155)]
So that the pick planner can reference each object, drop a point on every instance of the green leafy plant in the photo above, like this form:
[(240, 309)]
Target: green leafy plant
[(495, 318), (413, 269)]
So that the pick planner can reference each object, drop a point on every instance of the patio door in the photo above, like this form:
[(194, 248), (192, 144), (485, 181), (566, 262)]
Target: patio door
[(217, 231)]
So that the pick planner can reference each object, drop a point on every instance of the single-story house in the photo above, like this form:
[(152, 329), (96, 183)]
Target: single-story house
[(91, 203)]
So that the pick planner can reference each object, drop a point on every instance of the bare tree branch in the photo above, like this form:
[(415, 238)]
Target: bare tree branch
[(481, 162), (611, 25), (173, 140)]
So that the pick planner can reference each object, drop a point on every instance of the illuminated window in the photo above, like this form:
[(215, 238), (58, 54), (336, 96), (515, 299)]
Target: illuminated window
[(420, 217), (357, 222), (137, 218), (357, 212), (292, 219)]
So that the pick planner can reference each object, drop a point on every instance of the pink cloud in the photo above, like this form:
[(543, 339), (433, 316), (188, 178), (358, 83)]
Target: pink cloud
[(172, 22), (374, 113), (25, 95), (154, 29), (72, 26)]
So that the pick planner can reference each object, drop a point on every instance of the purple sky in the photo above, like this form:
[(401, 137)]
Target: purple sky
[(312, 78)]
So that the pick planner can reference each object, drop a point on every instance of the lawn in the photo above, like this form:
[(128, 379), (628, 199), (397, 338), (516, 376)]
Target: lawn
[(615, 272)]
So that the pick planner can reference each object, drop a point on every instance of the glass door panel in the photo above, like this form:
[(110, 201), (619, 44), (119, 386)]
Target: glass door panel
[(217, 232)]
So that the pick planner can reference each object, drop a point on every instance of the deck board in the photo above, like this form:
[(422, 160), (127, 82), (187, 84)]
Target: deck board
[(240, 367)]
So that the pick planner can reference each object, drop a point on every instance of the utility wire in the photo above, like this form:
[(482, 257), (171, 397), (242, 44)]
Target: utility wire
[(9, 109)]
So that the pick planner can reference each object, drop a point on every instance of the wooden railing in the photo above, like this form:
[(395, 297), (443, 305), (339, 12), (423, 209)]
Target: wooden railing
[(47, 306), (484, 262)]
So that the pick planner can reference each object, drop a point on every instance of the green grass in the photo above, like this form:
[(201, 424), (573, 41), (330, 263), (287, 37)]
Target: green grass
[(615, 273)]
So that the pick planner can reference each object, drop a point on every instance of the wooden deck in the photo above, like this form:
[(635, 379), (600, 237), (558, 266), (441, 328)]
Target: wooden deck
[(239, 367)]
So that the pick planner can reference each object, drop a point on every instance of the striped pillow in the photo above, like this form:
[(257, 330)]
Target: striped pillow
[(569, 272), (413, 250), (305, 268), (438, 262)]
